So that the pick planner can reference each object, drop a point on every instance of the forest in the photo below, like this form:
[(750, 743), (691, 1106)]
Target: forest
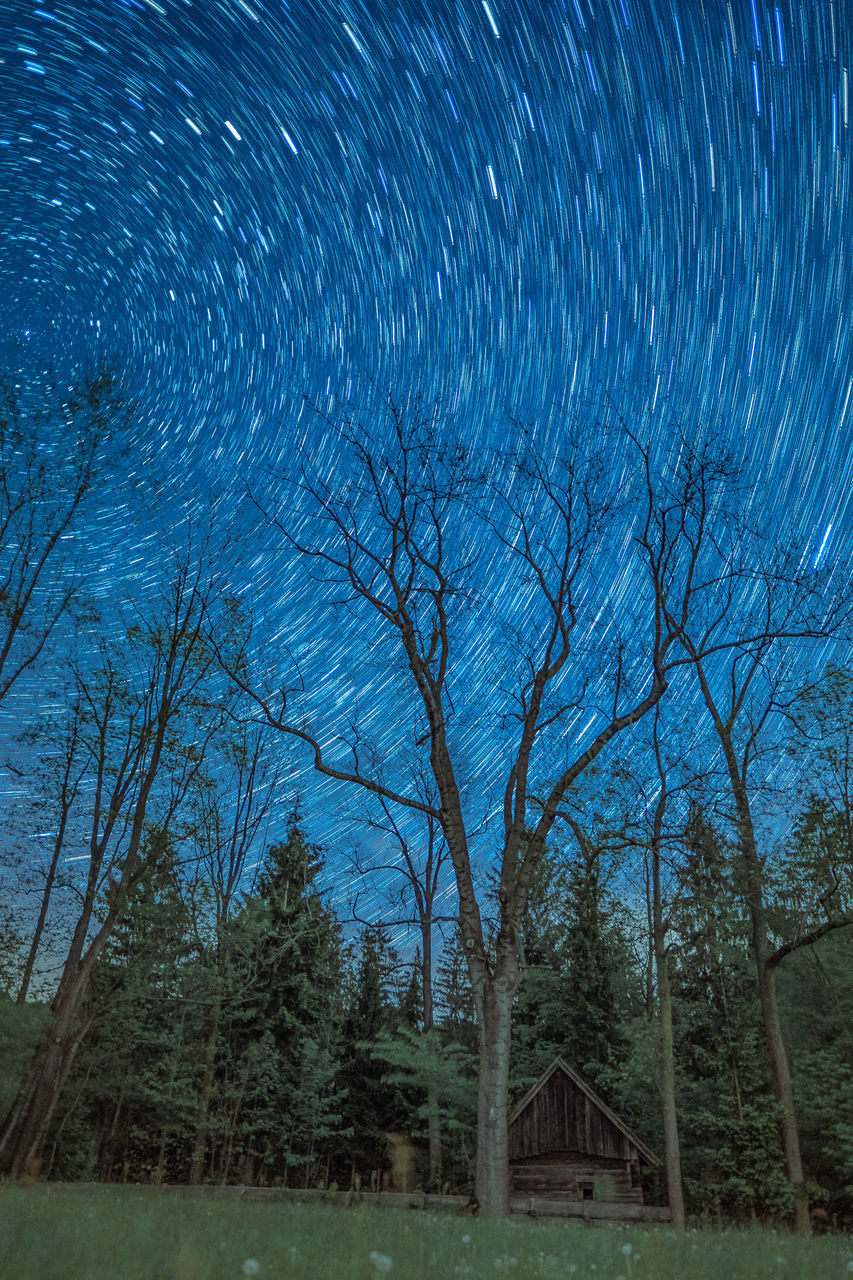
[(645, 870)]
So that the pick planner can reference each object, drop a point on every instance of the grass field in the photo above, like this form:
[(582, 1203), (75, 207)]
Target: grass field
[(112, 1233)]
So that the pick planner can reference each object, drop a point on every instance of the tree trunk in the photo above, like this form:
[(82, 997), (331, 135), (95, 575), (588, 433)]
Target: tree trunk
[(675, 1188), (491, 1183), (108, 1141), (774, 1040), (43, 909), (667, 1088), (51, 1071), (433, 1141), (200, 1142), (433, 1122), (784, 1089), (160, 1172)]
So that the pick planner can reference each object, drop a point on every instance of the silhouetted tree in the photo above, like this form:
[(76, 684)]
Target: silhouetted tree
[(393, 527)]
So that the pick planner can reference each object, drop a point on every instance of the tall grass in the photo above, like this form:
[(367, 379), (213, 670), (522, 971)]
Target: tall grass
[(110, 1233)]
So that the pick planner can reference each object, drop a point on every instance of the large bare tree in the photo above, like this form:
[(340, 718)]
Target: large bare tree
[(532, 602)]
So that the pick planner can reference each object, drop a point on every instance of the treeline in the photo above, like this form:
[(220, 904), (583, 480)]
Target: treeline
[(625, 799), (251, 1047), (263, 1048)]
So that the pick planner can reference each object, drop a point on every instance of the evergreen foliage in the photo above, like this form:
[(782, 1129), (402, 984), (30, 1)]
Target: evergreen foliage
[(575, 997), (319, 1050)]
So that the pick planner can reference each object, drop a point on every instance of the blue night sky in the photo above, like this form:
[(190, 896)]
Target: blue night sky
[(536, 209)]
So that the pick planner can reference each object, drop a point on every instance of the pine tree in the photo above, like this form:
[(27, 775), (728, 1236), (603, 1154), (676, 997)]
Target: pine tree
[(372, 1107), (277, 1084), (728, 1116), (130, 1095), (576, 988)]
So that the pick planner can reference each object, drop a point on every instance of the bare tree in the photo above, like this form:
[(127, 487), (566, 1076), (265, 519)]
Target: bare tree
[(149, 713), (51, 460), (778, 607), (394, 528)]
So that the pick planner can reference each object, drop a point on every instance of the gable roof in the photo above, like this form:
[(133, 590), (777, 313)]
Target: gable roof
[(560, 1065)]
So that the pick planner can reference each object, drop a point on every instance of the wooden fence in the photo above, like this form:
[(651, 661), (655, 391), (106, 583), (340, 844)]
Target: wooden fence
[(533, 1206)]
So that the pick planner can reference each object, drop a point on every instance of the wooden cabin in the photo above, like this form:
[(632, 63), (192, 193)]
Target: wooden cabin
[(566, 1144)]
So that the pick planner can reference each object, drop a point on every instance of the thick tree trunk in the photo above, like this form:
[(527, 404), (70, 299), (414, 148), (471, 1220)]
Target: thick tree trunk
[(51, 1070), (491, 1184)]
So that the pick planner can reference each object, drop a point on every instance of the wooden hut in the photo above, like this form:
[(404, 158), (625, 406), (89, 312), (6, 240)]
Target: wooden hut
[(566, 1144)]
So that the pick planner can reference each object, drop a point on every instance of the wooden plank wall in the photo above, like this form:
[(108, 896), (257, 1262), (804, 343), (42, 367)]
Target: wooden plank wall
[(557, 1177), (560, 1117)]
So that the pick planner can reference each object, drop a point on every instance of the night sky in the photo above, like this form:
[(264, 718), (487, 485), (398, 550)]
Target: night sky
[(530, 209)]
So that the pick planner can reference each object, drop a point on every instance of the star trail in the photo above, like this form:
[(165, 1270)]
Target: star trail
[(520, 208)]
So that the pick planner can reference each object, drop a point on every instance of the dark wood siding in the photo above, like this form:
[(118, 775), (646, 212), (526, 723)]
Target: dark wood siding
[(561, 1175), (560, 1118)]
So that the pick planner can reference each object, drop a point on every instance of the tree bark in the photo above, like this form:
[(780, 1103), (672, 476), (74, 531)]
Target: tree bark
[(667, 1082), (774, 1040), (433, 1122), (776, 1049), (494, 1013), (675, 1187), (754, 894), (49, 1076), (667, 1089)]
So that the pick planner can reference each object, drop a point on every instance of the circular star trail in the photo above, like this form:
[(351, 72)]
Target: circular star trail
[(520, 208)]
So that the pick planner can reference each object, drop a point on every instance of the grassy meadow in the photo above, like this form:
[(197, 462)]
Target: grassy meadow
[(67, 1233)]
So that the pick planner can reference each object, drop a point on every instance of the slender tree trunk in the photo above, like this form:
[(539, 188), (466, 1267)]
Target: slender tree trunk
[(47, 1168), (433, 1140), (774, 1040), (202, 1120), (45, 903), (105, 1163), (160, 1171), (675, 1188), (232, 1132), (667, 1086), (433, 1122), (494, 1010), (782, 1082)]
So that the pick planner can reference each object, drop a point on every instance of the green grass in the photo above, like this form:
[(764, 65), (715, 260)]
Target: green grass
[(66, 1233)]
